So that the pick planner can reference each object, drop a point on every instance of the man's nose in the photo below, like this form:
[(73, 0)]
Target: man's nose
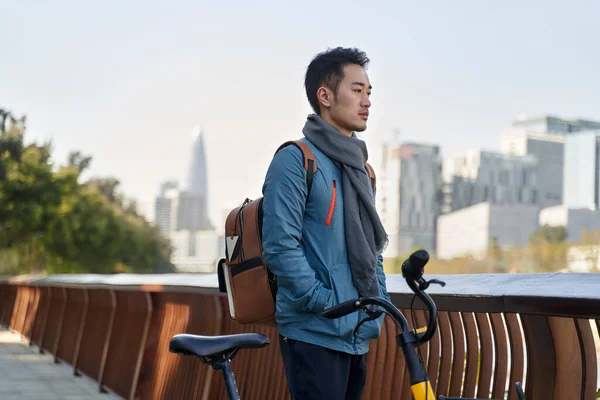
[(366, 102)]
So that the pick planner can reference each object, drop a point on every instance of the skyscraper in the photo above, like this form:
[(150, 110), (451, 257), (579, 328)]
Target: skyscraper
[(193, 201), (197, 182), (411, 196)]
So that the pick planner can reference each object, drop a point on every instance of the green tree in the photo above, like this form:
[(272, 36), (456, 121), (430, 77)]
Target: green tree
[(50, 221)]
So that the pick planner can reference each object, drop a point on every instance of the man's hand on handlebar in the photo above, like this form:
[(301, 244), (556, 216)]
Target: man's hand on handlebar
[(412, 271)]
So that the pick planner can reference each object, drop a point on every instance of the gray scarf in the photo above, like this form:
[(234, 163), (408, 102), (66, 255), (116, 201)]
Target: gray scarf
[(365, 235)]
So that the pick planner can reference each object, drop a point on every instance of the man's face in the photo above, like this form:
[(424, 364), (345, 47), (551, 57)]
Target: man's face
[(349, 109)]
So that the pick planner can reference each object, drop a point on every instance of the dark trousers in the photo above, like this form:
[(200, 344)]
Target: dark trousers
[(318, 373)]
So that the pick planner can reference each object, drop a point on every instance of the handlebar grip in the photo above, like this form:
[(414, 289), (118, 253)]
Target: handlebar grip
[(342, 309), (412, 269)]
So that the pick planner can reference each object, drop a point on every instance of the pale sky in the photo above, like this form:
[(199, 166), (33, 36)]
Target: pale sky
[(126, 81)]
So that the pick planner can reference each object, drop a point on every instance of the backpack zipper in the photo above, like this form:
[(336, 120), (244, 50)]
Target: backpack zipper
[(332, 204)]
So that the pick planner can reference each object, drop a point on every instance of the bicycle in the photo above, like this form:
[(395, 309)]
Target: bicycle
[(218, 351)]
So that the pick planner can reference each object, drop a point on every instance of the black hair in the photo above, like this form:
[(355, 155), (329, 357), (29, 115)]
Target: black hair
[(327, 68)]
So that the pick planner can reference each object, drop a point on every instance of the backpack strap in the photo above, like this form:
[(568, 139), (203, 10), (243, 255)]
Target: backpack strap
[(310, 163), (371, 173)]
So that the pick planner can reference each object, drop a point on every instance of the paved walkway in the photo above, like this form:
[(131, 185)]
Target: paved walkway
[(26, 374)]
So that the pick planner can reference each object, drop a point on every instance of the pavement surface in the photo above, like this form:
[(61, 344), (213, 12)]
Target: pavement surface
[(26, 374)]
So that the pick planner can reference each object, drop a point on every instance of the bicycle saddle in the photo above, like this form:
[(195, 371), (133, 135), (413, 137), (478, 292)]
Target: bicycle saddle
[(209, 346)]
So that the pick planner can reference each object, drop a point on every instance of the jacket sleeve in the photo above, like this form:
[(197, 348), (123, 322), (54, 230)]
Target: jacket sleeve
[(284, 193)]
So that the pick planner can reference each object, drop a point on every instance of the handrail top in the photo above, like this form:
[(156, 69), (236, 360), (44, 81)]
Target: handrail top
[(565, 285)]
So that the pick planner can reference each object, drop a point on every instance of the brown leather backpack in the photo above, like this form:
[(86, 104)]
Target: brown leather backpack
[(243, 275)]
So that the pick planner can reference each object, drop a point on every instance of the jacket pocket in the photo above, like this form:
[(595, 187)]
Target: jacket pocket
[(343, 289), (331, 204)]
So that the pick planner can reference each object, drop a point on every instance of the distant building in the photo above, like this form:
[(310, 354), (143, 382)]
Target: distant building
[(167, 186), (548, 150), (410, 184), (575, 220), (581, 178), (552, 124), (198, 171), (197, 251), (165, 211), (192, 214), (183, 244), (182, 215), (478, 176), (471, 230)]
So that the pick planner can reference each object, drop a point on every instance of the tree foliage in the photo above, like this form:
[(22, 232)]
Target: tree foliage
[(49, 221)]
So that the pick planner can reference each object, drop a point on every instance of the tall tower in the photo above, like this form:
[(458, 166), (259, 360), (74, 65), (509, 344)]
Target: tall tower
[(193, 200), (197, 173)]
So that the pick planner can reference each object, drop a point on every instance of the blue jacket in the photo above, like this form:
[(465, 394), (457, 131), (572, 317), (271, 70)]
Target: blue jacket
[(304, 245)]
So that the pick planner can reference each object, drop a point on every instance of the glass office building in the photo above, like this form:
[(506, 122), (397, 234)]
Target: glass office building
[(581, 179)]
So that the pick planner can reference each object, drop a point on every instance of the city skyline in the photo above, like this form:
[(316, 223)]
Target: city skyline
[(446, 74)]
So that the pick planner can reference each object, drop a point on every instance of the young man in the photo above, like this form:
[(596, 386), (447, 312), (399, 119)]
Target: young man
[(325, 246)]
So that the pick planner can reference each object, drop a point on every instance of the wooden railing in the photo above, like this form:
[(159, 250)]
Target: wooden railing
[(494, 330)]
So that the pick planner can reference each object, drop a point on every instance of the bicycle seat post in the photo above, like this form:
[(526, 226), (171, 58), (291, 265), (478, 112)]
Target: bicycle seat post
[(229, 377)]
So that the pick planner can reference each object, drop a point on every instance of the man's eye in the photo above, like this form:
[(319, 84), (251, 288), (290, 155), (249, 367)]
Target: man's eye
[(358, 90)]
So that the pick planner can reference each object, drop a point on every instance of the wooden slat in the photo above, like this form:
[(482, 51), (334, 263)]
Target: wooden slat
[(487, 355), (423, 350), (39, 324), (541, 357), (500, 368), (472, 355), (18, 305), (390, 388), (74, 318), (517, 351), (406, 389), (399, 370), (31, 316), (433, 364), (380, 364), (590, 362), (569, 360), (54, 320), (458, 359), (445, 331)]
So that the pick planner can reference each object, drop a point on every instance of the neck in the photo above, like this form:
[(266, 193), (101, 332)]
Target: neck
[(327, 118)]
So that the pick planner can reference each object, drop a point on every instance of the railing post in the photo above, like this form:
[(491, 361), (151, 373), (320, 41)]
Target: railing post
[(60, 324), (138, 363), (45, 322), (80, 332), (113, 297), (38, 294)]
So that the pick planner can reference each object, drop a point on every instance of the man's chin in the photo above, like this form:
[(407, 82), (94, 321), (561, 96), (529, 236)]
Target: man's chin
[(360, 128)]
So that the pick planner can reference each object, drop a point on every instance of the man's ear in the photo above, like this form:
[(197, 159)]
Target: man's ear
[(325, 96)]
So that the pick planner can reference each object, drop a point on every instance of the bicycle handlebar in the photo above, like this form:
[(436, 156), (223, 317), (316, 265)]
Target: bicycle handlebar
[(351, 306), (412, 270)]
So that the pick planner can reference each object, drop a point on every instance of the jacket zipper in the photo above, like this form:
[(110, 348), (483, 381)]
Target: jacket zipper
[(331, 205)]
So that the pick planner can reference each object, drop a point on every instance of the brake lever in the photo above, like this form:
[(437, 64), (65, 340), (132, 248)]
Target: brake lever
[(372, 314), (424, 285)]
